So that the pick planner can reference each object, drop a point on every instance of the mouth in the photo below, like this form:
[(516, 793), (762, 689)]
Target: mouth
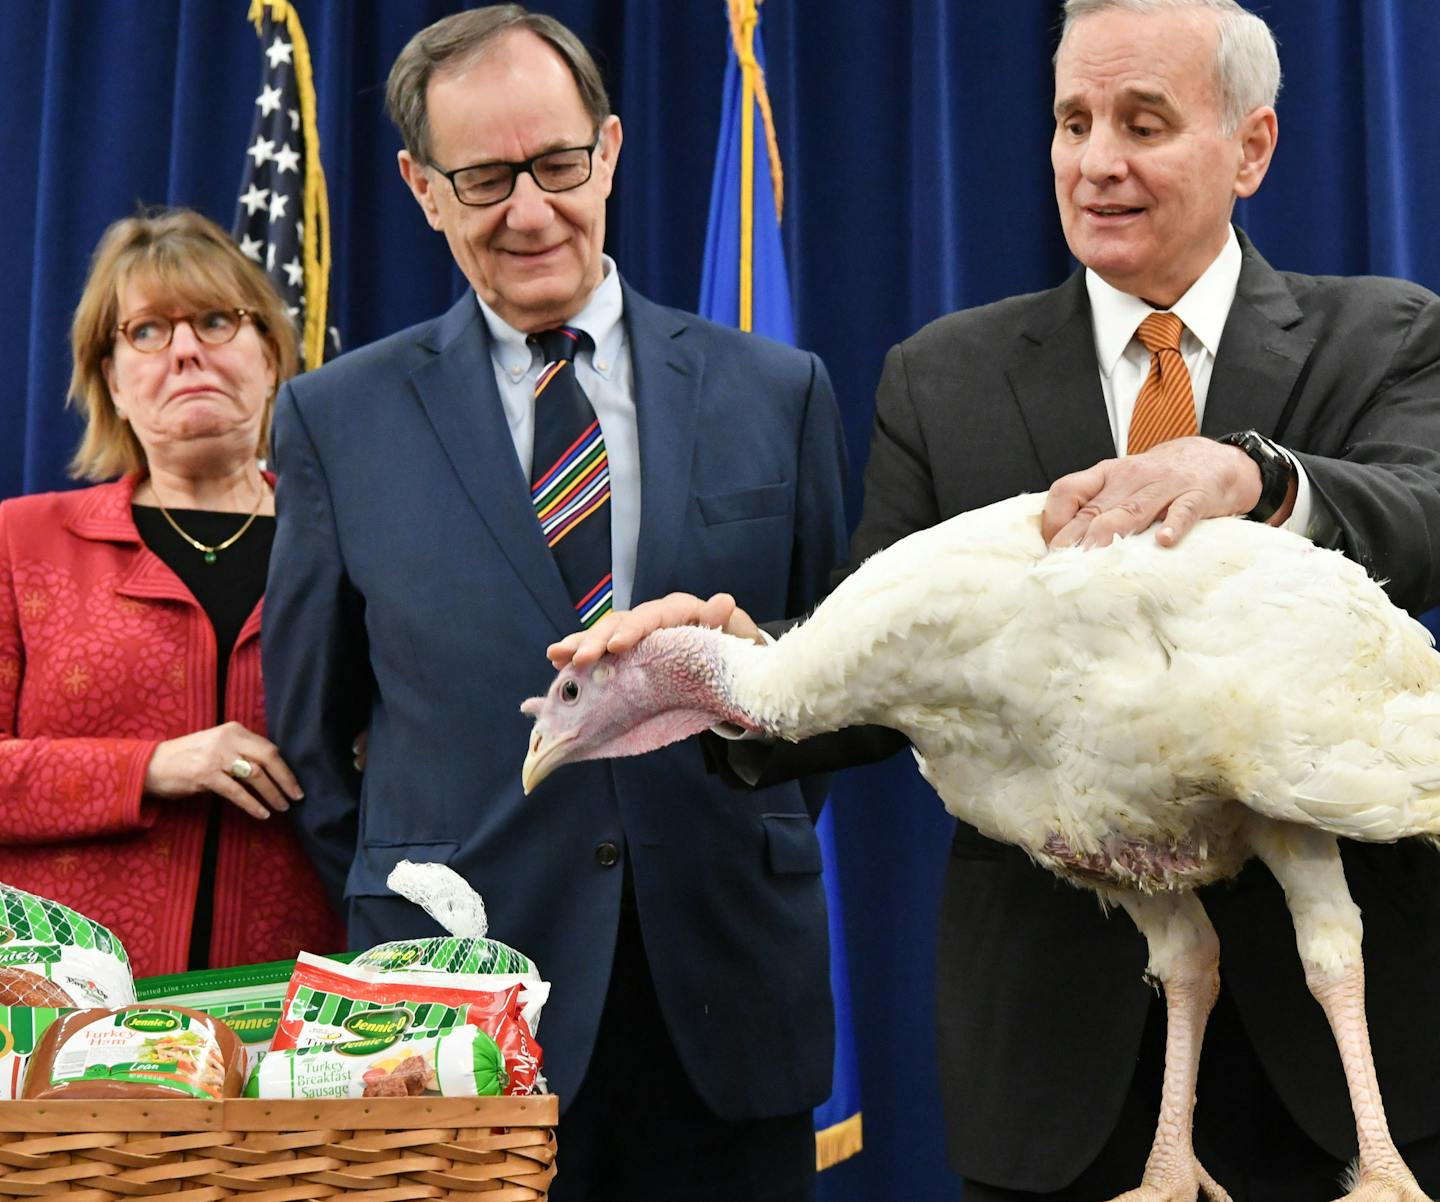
[(542, 759), (536, 256), (1111, 214)]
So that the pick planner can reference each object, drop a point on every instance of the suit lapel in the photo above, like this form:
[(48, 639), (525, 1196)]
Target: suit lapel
[(1261, 353), (1056, 381), (456, 386), (668, 371)]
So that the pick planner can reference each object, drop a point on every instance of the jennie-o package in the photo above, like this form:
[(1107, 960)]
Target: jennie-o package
[(83, 962), (136, 1052), (51, 960), (247, 997), (465, 954), (350, 1032)]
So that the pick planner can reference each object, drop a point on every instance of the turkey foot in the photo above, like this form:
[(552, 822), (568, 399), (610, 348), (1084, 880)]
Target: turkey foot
[(1394, 1184), (1180, 1184)]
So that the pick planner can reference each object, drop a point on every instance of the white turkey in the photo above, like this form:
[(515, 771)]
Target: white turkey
[(1140, 720)]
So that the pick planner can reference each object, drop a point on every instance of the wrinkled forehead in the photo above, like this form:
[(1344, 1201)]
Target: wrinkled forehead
[(510, 99), (1167, 56)]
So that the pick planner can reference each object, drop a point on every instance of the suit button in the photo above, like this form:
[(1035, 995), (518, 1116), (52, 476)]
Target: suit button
[(607, 855)]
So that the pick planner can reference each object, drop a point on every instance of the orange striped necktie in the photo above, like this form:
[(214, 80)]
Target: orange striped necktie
[(1165, 408)]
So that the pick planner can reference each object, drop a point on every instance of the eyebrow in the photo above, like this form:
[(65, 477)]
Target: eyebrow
[(548, 148), (1145, 98)]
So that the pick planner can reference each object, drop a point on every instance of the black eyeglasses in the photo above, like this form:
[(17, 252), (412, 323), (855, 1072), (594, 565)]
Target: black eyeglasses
[(152, 333), (490, 183)]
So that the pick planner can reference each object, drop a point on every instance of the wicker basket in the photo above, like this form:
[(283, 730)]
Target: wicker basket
[(378, 1150)]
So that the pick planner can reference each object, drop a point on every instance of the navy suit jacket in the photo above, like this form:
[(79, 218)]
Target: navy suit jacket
[(411, 594)]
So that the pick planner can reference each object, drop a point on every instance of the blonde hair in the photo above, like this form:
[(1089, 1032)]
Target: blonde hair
[(177, 254)]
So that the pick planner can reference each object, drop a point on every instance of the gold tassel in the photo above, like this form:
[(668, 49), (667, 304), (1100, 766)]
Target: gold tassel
[(839, 1142)]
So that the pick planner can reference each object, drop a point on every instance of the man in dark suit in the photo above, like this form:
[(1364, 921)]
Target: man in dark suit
[(1051, 1045), (413, 594)]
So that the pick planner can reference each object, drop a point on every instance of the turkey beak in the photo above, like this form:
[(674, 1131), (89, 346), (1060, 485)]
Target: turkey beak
[(544, 756)]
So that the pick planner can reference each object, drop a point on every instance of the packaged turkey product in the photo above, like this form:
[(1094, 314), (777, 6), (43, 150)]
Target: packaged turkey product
[(20, 1030), (461, 1062), (449, 953), (465, 954), (82, 962), (363, 1020), (247, 997), (137, 1052)]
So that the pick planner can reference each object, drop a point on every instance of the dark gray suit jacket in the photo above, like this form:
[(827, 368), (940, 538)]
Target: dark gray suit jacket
[(1040, 997)]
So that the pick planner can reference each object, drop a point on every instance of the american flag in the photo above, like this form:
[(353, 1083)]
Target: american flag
[(282, 216)]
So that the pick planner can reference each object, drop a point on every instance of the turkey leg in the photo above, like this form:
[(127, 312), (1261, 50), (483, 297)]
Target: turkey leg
[(1327, 931), (1185, 959)]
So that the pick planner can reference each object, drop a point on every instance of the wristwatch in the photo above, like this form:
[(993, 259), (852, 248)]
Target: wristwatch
[(1276, 471)]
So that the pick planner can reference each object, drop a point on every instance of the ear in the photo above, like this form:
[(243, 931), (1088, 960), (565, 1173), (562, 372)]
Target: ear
[(608, 156), (417, 179), (1256, 139)]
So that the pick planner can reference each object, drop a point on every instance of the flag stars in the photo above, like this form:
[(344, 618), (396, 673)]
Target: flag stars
[(255, 199), (250, 247), (277, 206), (294, 272), (270, 257), (294, 119), (279, 52), (262, 151), (287, 159), (268, 100), (292, 311)]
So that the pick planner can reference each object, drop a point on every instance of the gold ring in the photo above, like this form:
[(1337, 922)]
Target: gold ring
[(241, 769)]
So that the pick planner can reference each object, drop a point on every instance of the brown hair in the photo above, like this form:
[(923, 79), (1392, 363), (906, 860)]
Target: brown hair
[(455, 39), (182, 255)]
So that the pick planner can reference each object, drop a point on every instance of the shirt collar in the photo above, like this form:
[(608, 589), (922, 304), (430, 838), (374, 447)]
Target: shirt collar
[(600, 318), (1206, 304)]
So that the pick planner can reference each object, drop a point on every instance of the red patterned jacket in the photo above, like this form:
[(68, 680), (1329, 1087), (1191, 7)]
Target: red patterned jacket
[(104, 654)]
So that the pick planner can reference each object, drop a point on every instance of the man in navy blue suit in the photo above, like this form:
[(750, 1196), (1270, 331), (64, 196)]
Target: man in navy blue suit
[(413, 593)]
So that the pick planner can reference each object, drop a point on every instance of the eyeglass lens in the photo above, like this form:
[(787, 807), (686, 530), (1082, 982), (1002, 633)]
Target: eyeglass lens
[(212, 327), (558, 171)]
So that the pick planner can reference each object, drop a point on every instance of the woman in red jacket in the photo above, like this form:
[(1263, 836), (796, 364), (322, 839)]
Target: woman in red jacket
[(137, 783)]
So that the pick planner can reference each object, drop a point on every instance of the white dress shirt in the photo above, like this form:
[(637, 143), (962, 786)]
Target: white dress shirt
[(1124, 361), (607, 376)]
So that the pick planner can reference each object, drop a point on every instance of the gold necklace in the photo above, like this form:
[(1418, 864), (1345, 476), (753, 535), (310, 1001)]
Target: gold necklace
[(211, 552)]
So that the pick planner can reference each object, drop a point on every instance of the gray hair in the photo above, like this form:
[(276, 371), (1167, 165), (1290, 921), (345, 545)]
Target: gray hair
[(458, 40), (1247, 64)]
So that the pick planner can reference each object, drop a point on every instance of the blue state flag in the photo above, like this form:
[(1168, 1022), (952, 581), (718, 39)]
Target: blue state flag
[(744, 284)]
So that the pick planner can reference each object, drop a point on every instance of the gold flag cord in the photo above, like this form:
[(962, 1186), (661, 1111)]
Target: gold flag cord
[(315, 245), (744, 15)]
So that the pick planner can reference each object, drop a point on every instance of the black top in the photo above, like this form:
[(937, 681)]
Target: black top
[(228, 591)]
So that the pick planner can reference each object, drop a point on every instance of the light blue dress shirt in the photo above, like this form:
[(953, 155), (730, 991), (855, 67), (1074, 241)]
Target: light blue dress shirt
[(607, 376)]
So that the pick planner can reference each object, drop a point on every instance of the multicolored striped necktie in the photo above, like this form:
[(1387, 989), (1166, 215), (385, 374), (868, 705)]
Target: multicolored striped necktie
[(570, 475), (1165, 408)]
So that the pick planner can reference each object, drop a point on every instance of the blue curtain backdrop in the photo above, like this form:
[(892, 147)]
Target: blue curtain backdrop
[(915, 139)]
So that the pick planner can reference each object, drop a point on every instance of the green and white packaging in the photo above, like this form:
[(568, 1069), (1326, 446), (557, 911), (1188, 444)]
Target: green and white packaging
[(20, 1030), (461, 1062), (447, 954), (82, 957), (247, 998)]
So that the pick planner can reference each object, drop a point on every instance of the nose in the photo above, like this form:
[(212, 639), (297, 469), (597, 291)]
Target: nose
[(530, 207), (1102, 158), (184, 345)]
